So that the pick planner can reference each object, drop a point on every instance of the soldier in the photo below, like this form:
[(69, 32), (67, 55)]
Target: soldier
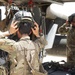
[(69, 28), (24, 48)]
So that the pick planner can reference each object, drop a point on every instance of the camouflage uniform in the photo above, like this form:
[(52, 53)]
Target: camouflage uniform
[(16, 53), (70, 31)]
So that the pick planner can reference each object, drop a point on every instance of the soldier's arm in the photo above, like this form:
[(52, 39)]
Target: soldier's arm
[(64, 29), (12, 30), (7, 45), (41, 41)]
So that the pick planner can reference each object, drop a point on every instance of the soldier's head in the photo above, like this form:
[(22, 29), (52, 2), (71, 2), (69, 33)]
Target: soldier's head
[(71, 19), (21, 14), (24, 29), (25, 23)]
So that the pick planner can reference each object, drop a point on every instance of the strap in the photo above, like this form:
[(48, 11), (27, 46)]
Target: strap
[(25, 64), (25, 61)]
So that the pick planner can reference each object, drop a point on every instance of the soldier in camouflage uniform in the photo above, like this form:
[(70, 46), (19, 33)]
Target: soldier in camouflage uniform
[(4, 66), (69, 29), (16, 50)]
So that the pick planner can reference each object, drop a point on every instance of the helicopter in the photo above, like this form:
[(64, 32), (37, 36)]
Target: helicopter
[(49, 14)]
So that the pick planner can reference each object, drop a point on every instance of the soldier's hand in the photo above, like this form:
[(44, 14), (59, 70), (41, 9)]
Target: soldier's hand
[(35, 30), (13, 28)]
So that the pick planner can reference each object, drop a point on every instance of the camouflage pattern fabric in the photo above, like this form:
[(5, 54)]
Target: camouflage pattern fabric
[(70, 51), (16, 54), (71, 46), (3, 70)]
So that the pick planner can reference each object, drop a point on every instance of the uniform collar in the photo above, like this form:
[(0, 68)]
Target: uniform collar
[(25, 37)]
